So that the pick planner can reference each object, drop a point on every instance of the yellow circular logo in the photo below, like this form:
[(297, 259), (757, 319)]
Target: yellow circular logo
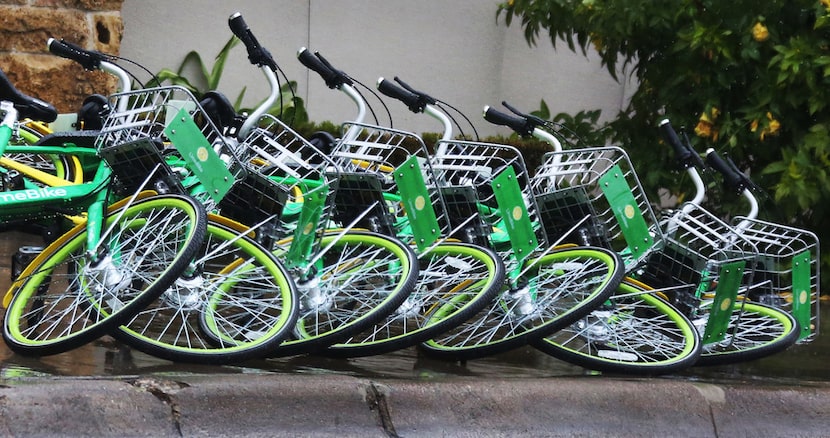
[(308, 228), (517, 212), (802, 297), (420, 202), (202, 153), (629, 211), (726, 304)]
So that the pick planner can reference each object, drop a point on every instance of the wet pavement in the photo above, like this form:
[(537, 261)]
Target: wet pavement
[(106, 389)]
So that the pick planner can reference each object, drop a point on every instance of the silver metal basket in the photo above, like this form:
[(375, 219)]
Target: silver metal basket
[(487, 187), (165, 130), (704, 267), (388, 183), (287, 181), (599, 184), (787, 270)]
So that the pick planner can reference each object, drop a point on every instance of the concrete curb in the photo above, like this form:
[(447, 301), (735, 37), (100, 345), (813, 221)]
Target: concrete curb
[(334, 405)]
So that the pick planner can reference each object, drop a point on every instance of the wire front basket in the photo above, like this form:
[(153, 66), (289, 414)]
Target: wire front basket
[(704, 266), (487, 191), (387, 184), (787, 271), (596, 193), (288, 183), (165, 130)]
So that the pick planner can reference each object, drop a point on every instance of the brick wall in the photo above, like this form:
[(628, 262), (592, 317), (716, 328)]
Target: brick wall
[(26, 25)]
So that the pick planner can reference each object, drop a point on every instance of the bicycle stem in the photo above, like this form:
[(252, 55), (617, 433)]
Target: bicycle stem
[(736, 181), (350, 91), (549, 138), (123, 81), (700, 187), (336, 79), (253, 118)]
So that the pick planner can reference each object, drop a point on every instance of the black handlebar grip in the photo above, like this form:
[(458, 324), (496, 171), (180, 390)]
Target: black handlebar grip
[(532, 120), (516, 123), (256, 53), (89, 60), (670, 136), (242, 31), (312, 62), (409, 98), (732, 180)]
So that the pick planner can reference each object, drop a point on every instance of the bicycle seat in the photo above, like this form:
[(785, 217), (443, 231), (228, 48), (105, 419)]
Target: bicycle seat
[(27, 106), (323, 141), (218, 108), (92, 113)]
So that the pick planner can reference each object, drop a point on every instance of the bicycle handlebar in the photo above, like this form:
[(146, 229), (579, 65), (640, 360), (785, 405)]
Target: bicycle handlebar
[(89, 59), (686, 156), (523, 124), (732, 179), (257, 54), (415, 100), (314, 61), (516, 123)]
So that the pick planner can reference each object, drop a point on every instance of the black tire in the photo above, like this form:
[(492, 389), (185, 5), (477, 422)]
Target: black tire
[(237, 303), (71, 293), (557, 289), (634, 332), (458, 278)]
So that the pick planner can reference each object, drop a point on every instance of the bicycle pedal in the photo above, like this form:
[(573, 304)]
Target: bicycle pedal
[(22, 258), (11, 180)]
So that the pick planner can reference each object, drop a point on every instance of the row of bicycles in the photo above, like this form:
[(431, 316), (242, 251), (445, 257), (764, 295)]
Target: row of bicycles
[(198, 234)]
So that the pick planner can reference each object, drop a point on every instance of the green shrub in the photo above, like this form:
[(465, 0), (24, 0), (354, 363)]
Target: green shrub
[(749, 78)]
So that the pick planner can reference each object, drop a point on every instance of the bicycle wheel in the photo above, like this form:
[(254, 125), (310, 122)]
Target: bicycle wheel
[(554, 291), (237, 302), (755, 331), (458, 278), (633, 333), (65, 298), (361, 278), (62, 166)]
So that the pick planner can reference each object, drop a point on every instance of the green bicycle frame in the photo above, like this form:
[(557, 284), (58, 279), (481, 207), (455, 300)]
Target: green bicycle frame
[(90, 196)]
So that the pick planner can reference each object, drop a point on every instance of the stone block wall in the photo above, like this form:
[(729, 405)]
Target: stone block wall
[(26, 25)]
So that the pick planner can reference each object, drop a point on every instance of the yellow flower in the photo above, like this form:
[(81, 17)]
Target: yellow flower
[(760, 32), (772, 128), (703, 129), (826, 3), (774, 125), (705, 124)]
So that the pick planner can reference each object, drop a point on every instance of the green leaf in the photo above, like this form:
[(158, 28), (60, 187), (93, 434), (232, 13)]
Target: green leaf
[(219, 65), (193, 57), (543, 111)]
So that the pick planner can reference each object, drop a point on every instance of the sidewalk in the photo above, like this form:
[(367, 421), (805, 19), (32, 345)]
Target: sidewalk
[(334, 405)]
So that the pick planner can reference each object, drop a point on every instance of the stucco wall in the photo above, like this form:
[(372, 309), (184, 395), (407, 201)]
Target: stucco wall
[(455, 50)]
